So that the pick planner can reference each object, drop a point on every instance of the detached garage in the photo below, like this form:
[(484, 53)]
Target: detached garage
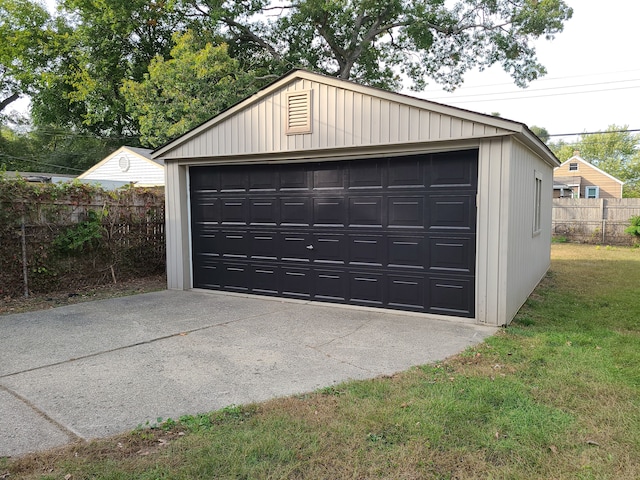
[(320, 189)]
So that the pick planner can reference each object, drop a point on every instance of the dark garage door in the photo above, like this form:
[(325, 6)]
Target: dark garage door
[(392, 232)]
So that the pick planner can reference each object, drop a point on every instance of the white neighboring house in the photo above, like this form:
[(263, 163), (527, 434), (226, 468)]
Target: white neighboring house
[(127, 165)]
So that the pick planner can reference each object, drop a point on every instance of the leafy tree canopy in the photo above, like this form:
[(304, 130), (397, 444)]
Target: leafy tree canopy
[(26, 34), (196, 83)]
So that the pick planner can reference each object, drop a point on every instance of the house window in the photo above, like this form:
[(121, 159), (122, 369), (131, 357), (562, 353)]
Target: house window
[(573, 167), (591, 192), (537, 203), (298, 112)]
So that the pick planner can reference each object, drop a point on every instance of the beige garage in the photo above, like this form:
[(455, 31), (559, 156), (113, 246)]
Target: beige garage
[(323, 190)]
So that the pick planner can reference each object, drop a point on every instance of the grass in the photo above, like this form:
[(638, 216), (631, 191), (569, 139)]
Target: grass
[(556, 395)]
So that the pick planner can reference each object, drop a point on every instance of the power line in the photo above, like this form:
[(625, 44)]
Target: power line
[(539, 96), (594, 133), (542, 89), (545, 79), (39, 162)]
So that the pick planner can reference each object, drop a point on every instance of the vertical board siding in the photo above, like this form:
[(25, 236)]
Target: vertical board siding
[(529, 252), (340, 118), (491, 183)]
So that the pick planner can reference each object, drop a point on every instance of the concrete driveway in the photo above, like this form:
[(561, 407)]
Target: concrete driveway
[(95, 369)]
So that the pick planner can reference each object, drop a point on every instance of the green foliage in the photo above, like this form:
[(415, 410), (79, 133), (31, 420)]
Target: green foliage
[(196, 83), (634, 227), (117, 236), (26, 35), (81, 236), (540, 132)]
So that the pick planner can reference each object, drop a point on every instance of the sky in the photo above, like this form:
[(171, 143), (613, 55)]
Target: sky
[(592, 81)]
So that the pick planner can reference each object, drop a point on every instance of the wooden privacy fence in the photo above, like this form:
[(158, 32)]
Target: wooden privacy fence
[(598, 220), (54, 239)]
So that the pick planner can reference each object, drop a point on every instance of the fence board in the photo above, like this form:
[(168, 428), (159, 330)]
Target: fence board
[(600, 220)]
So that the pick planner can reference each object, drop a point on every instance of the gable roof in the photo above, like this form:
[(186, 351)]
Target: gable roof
[(143, 153), (577, 158), (441, 122)]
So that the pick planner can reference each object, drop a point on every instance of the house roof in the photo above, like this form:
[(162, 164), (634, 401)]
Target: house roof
[(505, 126), (577, 158), (142, 153)]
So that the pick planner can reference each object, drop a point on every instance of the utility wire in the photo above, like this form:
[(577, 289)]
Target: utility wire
[(39, 162), (541, 89), (539, 96), (594, 133)]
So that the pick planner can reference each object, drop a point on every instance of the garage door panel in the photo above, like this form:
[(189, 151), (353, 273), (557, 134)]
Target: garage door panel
[(264, 245), (328, 176), (366, 211), (406, 292), (263, 179), (265, 279), (453, 171), (208, 209), (204, 179), (367, 250), (296, 282), (331, 285), (233, 244), (234, 180), (366, 175), (295, 246), (295, 211), (263, 211), (406, 212), (294, 178), (329, 248), (205, 241), (234, 211), (329, 211), (366, 288), (451, 254), (235, 276), (207, 273), (406, 251), (452, 212), (406, 172), (451, 296)]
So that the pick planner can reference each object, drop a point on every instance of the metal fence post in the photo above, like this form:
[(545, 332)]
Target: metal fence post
[(25, 275)]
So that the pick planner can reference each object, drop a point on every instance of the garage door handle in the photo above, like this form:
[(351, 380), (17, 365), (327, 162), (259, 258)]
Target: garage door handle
[(309, 247)]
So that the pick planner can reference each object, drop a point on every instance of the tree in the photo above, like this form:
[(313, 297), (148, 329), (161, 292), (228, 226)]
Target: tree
[(374, 41), (26, 35), (615, 151), (105, 44), (196, 83), (540, 132)]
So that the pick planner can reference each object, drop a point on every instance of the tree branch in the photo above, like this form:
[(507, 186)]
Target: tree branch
[(10, 99), (246, 31)]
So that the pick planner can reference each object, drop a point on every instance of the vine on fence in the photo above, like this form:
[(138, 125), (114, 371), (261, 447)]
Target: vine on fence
[(73, 235)]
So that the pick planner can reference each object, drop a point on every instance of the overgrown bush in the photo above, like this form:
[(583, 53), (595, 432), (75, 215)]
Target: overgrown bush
[(634, 228), (77, 235)]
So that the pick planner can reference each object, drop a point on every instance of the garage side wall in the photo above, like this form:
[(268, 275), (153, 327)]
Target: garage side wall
[(177, 227), (492, 225), (529, 239)]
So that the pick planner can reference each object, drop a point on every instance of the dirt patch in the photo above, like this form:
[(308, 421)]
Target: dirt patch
[(10, 304)]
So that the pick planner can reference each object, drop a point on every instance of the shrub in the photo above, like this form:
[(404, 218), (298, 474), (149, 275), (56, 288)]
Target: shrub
[(634, 228)]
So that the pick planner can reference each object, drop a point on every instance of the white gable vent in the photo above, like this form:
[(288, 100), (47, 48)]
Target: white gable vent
[(298, 112)]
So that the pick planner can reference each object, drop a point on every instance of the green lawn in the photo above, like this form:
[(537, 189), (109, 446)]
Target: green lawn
[(555, 395)]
